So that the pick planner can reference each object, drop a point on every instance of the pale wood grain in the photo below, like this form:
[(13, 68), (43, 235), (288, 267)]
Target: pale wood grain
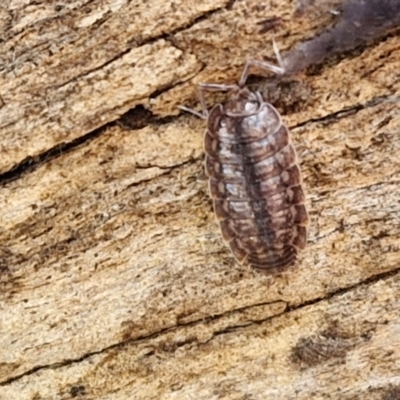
[(114, 280), (346, 347)]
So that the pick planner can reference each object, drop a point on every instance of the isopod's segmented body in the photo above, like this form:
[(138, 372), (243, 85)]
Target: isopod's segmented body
[(254, 179)]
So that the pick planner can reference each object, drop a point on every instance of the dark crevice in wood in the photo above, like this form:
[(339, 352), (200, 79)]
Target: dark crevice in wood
[(136, 118), (138, 42), (346, 112), (31, 163), (339, 292)]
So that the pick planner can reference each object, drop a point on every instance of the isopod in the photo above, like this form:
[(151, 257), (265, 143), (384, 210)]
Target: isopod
[(254, 177)]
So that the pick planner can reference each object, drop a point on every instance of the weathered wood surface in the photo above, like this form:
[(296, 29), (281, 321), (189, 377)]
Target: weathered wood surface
[(114, 280)]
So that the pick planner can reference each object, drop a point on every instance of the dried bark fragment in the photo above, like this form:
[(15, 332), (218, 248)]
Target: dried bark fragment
[(361, 21)]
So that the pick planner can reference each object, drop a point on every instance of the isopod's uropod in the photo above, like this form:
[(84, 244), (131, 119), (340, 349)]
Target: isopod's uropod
[(254, 176)]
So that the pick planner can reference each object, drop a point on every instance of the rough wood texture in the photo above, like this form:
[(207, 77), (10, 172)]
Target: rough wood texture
[(114, 280)]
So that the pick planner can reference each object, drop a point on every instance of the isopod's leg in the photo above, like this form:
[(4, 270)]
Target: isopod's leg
[(277, 69), (215, 87), (204, 111), (194, 112), (210, 87), (278, 55)]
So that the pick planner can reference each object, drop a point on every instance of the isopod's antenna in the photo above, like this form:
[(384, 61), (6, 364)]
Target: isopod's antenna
[(277, 69), (216, 87), (207, 87)]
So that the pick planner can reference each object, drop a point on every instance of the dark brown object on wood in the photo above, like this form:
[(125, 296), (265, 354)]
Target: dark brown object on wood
[(255, 179), (360, 22)]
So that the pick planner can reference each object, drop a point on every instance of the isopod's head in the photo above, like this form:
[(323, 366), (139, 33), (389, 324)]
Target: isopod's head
[(245, 117), (242, 102)]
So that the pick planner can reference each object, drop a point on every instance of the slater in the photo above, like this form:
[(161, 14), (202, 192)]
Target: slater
[(254, 177)]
